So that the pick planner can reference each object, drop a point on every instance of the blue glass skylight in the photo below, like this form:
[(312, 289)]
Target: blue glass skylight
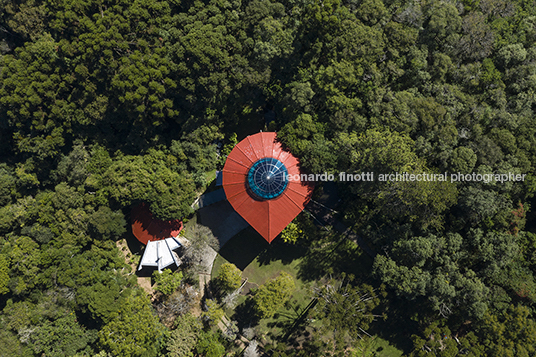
[(268, 178)]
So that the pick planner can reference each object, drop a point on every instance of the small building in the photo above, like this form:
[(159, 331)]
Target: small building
[(161, 238), (161, 254)]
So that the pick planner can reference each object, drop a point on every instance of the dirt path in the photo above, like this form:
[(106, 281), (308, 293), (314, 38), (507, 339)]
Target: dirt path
[(203, 281), (143, 282), (241, 341)]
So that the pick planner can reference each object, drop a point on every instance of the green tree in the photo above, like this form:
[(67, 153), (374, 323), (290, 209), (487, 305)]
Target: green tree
[(305, 138), (167, 281), (213, 312), (4, 274), (102, 298), (387, 152), (72, 168), (444, 23), (107, 224), (371, 11), (209, 345), (33, 98), (10, 345), (99, 276), (209, 49), (25, 262), (27, 19), (477, 40), (20, 315), (183, 338), (49, 326), (62, 337), (511, 333), (143, 83), (345, 309), (377, 151), (229, 277), (440, 341), (482, 205), (463, 160), (272, 295), (196, 151), (133, 330), (227, 148), (149, 178), (7, 186), (441, 269), (273, 40), (291, 233)]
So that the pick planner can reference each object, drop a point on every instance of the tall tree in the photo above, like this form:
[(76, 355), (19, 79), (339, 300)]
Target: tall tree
[(272, 295), (133, 330)]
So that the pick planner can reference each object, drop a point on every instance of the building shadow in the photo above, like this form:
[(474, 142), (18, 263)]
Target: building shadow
[(243, 248), (279, 250), (222, 220), (146, 272)]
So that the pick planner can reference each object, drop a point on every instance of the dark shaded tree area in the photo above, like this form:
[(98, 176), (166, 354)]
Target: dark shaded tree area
[(105, 104), (441, 87)]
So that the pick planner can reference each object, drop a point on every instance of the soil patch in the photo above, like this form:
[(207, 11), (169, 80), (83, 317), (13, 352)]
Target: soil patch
[(247, 288), (143, 282)]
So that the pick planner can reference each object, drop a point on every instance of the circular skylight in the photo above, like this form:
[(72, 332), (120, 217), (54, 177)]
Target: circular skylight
[(268, 178)]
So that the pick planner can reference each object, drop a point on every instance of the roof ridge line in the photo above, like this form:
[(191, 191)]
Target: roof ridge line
[(291, 200), (236, 172), (236, 194), (254, 152), (272, 143), (171, 250), (239, 163), (269, 224)]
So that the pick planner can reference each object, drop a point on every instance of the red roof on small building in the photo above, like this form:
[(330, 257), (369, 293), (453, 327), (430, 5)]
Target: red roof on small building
[(146, 228), (267, 216)]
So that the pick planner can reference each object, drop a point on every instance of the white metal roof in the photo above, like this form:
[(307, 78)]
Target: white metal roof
[(160, 254)]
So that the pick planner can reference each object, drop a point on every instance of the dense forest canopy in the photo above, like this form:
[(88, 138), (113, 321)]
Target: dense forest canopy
[(108, 103)]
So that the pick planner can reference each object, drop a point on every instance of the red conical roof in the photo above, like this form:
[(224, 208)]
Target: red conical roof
[(146, 228), (267, 216)]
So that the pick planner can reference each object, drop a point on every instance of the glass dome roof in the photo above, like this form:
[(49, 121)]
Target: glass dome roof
[(267, 178)]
